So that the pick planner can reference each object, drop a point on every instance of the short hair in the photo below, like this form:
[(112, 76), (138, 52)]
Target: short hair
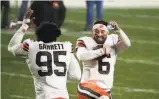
[(47, 32), (101, 22)]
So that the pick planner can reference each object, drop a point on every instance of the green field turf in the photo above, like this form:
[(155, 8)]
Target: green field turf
[(137, 70)]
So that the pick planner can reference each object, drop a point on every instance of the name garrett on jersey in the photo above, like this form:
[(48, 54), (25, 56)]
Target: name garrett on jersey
[(51, 47)]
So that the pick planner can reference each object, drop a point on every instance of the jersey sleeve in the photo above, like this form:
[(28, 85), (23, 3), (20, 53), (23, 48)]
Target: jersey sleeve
[(115, 39), (122, 41), (84, 54), (112, 40), (80, 43), (15, 45), (74, 71), (70, 47)]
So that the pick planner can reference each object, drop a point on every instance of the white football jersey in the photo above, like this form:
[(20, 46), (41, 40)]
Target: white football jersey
[(102, 68), (48, 64)]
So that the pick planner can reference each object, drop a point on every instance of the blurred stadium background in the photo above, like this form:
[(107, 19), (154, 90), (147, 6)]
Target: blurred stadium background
[(137, 70)]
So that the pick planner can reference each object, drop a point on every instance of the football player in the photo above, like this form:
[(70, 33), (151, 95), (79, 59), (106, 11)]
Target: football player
[(98, 54), (49, 62)]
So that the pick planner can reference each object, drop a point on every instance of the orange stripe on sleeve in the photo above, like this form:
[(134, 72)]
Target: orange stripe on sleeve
[(25, 46), (80, 43)]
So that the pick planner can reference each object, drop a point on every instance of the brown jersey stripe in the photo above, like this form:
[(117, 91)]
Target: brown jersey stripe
[(87, 88), (25, 49), (25, 46), (87, 96)]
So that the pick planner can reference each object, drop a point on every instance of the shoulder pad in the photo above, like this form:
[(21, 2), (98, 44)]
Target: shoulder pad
[(84, 41), (29, 41)]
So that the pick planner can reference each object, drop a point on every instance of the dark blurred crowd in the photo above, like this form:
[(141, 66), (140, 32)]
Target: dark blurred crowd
[(51, 10), (5, 7)]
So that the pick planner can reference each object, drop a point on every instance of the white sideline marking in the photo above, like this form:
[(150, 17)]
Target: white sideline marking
[(148, 62), (27, 97), (16, 75), (123, 14), (145, 42), (82, 33), (21, 97), (126, 26), (25, 76), (153, 73), (18, 62), (79, 34), (83, 23), (138, 61), (73, 95), (13, 32), (29, 32), (137, 15), (126, 89)]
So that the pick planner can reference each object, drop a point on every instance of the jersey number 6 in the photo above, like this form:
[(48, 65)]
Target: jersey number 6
[(102, 64), (48, 63)]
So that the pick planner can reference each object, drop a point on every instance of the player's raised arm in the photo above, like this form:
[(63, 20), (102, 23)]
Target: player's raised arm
[(84, 54), (123, 40), (15, 46), (74, 71)]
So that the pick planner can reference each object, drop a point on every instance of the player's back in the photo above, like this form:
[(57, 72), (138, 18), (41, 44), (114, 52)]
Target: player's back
[(48, 64)]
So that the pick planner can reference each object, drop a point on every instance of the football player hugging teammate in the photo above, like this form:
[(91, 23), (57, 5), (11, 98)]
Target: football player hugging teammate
[(50, 62), (98, 55)]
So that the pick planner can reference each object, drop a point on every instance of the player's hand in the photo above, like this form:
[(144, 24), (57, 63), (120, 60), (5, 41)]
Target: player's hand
[(115, 25), (26, 18), (107, 49)]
